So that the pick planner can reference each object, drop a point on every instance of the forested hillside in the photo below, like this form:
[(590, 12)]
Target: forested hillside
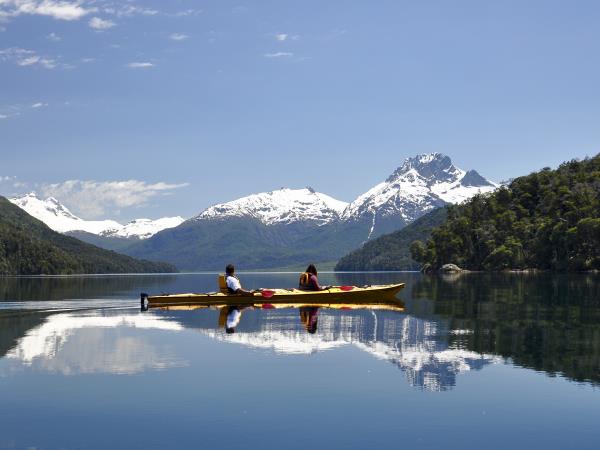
[(546, 220), (392, 251), (29, 247)]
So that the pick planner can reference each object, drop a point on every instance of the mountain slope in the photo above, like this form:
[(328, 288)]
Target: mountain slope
[(59, 218), (29, 247), (421, 184), (548, 220), (392, 251), (270, 229), (288, 227)]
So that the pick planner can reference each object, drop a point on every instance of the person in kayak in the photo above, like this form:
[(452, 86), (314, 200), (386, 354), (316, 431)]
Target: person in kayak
[(233, 283), (309, 280)]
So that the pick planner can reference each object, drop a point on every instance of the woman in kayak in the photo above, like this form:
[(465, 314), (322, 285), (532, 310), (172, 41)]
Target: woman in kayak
[(309, 280)]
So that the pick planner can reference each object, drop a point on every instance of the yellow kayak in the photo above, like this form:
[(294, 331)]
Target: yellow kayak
[(336, 295), (391, 305)]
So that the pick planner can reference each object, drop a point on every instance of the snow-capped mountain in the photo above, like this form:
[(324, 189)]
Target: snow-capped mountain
[(419, 185), (59, 218), (282, 206), (288, 226), (145, 228)]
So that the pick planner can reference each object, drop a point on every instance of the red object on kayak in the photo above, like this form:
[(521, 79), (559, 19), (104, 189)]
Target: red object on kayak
[(267, 293), (345, 307), (346, 288), (268, 306)]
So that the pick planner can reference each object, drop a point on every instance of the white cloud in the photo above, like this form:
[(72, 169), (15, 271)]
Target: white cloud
[(93, 199), (130, 10), (53, 37), (187, 12), (28, 61), (57, 9), (140, 65), (39, 105), (282, 37), (278, 55), (4, 116), (23, 57), (35, 59), (178, 37), (100, 24), (14, 52)]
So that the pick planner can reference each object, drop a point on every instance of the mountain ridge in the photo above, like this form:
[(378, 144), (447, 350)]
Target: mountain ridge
[(281, 227), (59, 218), (30, 247)]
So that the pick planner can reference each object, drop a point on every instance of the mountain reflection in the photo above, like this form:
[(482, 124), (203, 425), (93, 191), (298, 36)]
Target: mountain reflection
[(93, 343), (418, 347), (548, 323)]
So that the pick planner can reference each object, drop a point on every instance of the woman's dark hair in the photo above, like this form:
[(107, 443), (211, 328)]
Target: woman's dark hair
[(229, 269), (311, 269)]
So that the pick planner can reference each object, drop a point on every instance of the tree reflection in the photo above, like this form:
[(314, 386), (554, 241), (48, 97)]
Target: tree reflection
[(545, 322)]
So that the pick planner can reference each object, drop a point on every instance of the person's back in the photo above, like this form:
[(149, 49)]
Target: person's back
[(309, 280)]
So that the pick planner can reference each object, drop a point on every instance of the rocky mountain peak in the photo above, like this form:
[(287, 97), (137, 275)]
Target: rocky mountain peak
[(433, 167)]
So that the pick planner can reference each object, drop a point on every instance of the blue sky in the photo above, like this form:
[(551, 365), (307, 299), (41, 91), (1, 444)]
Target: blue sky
[(151, 108)]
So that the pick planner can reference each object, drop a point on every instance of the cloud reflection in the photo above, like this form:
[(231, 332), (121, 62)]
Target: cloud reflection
[(73, 344)]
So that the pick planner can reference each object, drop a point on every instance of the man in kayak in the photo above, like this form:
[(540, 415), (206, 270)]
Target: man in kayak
[(233, 283), (309, 280)]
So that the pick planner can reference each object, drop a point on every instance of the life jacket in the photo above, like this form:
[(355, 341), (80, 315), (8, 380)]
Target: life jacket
[(304, 282)]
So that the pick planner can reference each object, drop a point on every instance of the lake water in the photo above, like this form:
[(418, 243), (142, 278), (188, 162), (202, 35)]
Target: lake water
[(474, 361)]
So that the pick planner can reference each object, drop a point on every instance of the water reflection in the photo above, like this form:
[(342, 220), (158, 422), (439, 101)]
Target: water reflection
[(80, 287), (545, 322), (419, 348), (451, 325), (72, 343)]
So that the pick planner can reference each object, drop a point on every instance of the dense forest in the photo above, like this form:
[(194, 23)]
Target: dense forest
[(392, 251), (546, 220), (29, 247)]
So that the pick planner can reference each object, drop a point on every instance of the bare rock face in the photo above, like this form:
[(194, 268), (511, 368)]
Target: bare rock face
[(451, 268)]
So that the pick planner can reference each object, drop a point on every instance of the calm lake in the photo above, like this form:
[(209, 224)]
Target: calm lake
[(504, 361)]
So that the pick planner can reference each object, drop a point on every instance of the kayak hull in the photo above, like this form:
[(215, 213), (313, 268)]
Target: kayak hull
[(377, 294)]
